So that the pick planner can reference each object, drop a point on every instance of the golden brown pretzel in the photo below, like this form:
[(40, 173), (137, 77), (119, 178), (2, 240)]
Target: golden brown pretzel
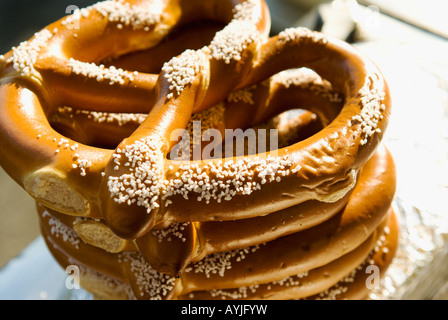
[(341, 148)]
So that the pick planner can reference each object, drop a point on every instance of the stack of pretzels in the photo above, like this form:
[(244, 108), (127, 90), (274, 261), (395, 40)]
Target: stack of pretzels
[(88, 108)]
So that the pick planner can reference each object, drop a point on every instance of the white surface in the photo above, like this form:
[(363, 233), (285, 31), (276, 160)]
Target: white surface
[(35, 275)]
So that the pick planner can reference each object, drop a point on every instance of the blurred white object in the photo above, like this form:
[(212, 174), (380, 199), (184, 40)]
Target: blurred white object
[(337, 18), (429, 15), (345, 18)]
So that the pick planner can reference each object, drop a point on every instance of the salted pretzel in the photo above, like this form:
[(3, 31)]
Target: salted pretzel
[(355, 131), (124, 184)]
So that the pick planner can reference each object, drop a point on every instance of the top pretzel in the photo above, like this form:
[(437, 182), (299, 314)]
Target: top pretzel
[(136, 187)]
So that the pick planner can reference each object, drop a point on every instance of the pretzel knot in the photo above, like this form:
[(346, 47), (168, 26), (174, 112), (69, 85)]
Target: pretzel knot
[(88, 110)]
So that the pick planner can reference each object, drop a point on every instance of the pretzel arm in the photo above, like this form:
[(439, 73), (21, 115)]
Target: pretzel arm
[(42, 160)]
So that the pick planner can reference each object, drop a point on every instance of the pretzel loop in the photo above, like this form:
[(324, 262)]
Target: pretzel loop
[(60, 172)]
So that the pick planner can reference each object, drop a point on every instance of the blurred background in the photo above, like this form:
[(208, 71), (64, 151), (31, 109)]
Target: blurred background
[(19, 19), (406, 38)]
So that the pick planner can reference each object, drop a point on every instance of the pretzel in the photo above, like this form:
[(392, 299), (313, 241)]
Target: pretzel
[(127, 185), (340, 245), (358, 128)]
